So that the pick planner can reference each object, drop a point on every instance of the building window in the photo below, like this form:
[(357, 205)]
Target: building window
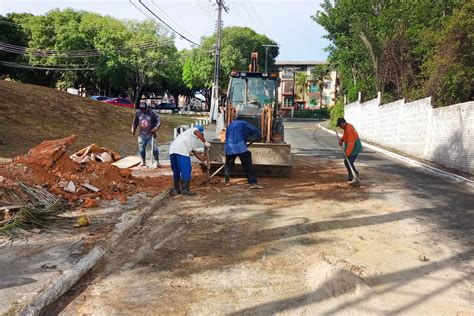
[(327, 100), (288, 87), (313, 87), (288, 101), (287, 74), (327, 85)]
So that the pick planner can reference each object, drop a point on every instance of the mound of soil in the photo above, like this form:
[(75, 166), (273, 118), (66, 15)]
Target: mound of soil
[(49, 166)]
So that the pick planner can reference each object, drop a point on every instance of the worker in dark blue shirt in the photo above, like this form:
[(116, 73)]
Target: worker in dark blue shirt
[(237, 134)]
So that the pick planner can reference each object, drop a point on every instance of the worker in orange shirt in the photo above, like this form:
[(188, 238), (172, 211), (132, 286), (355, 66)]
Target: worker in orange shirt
[(352, 146)]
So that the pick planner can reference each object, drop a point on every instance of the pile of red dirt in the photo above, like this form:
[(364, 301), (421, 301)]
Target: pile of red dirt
[(49, 166)]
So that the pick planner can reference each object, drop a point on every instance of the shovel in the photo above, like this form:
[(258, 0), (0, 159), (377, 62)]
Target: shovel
[(221, 167), (356, 181), (151, 150), (208, 164), (151, 153)]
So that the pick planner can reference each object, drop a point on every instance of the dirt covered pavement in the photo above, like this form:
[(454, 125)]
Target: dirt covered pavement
[(308, 245)]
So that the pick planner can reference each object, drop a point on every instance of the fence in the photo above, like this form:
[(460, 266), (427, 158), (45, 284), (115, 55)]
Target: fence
[(200, 121), (442, 135)]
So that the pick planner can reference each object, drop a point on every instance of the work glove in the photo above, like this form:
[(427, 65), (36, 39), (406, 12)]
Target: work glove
[(207, 145)]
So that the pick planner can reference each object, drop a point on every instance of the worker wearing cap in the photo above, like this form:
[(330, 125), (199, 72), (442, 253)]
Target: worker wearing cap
[(149, 123), (352, 146), (180, 150), (237, 134)]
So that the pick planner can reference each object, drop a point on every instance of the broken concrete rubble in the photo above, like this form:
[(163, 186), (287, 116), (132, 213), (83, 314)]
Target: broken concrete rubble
[(70, 187), (48, 166), (95, 153), (90, 187)]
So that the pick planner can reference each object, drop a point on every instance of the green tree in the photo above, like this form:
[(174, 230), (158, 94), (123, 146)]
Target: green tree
[(382, 45), (237, 44), (11, 33), (301, 81), (147, 67), (450, 70), (318, 74)]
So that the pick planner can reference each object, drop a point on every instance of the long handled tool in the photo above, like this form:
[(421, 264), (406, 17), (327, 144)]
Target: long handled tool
[(355, 178), (208, 164), (222, 167), (151, 150), (151, 153)]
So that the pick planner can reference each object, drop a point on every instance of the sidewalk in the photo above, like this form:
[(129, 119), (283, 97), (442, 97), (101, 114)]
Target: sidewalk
[(30, 266)]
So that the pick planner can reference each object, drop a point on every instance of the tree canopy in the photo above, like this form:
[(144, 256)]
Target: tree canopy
[(128, 57), (237, 44), (395, 47)]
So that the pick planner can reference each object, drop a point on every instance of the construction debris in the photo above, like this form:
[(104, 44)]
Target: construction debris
[(90, 187), (95, 153), (88, 202), (37, 208), (128, 162), (46, 176), (82, 220), (70, 187)]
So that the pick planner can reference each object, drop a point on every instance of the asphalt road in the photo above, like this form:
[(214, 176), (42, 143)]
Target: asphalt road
[(400, 244)]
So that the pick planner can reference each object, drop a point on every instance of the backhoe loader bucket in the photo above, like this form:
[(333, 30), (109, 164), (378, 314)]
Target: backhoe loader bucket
[(269, 160)]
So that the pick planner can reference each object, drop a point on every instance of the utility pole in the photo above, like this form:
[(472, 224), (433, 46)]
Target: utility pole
[(266, 53), (217, 63)]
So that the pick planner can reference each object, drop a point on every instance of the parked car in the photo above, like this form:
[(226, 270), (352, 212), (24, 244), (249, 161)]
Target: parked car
[(99, 97), (120, 102), (167, 106)]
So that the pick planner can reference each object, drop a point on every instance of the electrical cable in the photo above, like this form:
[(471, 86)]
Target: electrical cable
[(27, 66), (21, 50), (172, 20), (167, 25), (204, 9)]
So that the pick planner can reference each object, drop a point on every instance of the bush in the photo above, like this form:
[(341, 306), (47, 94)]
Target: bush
[(336, 111), (318, 114)]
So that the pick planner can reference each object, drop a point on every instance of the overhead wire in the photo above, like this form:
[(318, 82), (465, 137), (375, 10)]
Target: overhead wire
[(254, 10), (167, 25), (204, 9), (28, 66), (21, 50), (172, 20)]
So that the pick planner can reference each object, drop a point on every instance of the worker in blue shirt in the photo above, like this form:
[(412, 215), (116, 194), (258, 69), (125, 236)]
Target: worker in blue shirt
[(237, 134)]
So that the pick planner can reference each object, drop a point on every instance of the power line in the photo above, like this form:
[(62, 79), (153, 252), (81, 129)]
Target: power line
[(254, 11), (172, 20), (167, 25), (204, 9), (263, 27), (21, 50), (27, 66)]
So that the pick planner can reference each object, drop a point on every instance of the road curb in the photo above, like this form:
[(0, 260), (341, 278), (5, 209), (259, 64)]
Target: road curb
[(416, 164), (70, 277)]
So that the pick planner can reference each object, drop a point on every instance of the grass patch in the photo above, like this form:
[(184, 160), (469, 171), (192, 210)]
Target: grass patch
[(30, 114)]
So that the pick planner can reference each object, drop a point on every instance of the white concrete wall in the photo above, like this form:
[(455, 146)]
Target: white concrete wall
[(443, 135)]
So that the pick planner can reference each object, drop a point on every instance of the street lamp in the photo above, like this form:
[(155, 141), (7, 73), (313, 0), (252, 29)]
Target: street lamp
[(266, 53)]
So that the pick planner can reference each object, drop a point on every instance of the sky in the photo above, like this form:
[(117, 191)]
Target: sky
[(288, 22)]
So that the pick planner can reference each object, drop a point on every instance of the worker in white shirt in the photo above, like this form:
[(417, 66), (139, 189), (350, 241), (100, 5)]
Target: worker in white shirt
[(180, 151)]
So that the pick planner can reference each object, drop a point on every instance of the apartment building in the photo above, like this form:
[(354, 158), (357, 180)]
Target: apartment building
[(292, 92)]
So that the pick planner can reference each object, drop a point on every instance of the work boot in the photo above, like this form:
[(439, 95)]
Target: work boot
[(226, 180), (350, 177), (186, 190), (255, 186), (177, 187)]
